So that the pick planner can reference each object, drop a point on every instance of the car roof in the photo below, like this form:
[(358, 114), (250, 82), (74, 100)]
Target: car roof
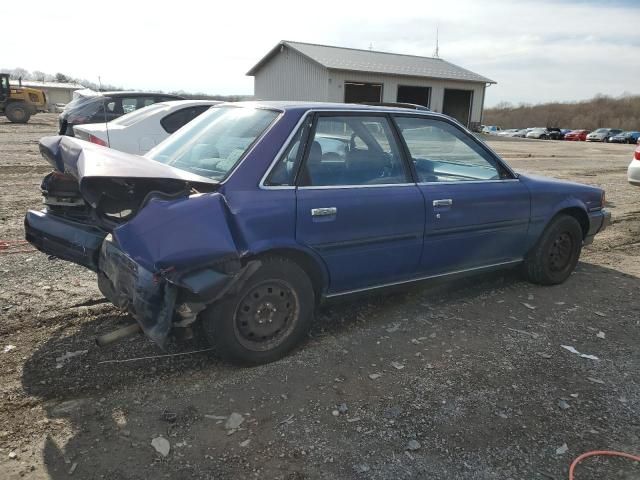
[(186, 103), (302, 105), (123, 93)]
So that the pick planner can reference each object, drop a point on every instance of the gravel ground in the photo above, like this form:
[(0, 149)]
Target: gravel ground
[(464, 380)]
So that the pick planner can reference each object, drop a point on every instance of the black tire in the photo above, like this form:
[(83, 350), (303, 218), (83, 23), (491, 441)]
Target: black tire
[(18, 112), (556, 254), (263, 322)]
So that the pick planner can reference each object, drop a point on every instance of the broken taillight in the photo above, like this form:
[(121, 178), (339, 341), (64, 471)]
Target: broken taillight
[(99, 141)]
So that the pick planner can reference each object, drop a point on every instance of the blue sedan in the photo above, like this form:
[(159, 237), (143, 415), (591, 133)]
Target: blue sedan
[(254, 213)]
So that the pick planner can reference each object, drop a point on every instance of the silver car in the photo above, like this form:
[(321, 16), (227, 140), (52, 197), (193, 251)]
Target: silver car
[(602, 134)]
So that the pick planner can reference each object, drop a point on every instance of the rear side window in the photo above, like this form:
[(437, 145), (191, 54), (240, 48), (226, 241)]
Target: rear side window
[(442, 153), (353, 150), (176, 120)]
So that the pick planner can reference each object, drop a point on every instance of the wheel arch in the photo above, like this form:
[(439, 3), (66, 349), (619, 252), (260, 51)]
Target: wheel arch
[(580, 214), (312, 266)]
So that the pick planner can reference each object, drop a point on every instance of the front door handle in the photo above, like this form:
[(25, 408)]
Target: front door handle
[(444, 202), (323, 212)]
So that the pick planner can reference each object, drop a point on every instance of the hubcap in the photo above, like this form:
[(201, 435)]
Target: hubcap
[(560, 252), (266, 315)]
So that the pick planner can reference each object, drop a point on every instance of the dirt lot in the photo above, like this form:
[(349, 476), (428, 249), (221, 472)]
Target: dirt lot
[(472, 381)]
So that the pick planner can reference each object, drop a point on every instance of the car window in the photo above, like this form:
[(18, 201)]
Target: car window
[(138, 115), (148, 101), (215, 142), (176, 120), (353, 150), (129, 104), (283, 173), (443, 153)]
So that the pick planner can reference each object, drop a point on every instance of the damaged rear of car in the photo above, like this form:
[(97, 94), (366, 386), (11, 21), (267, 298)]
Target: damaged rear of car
[(157, 232)]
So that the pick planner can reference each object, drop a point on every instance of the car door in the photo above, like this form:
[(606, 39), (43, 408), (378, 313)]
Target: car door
[(477, 211), (357, 206)]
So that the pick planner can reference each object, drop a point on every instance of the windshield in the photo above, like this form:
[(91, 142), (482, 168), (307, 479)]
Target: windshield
[(601, 130), (137, 115), (213, 143)]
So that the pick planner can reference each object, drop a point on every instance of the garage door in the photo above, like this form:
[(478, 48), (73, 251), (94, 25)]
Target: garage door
[(457, 104), (362, 92)]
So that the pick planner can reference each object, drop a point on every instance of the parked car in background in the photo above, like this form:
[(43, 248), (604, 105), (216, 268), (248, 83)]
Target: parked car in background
[(555, 134), (507, 133), (602, 134), (491, 129), (139, 131), (89, 106), (576, 135), (538, 133), (633, 172), (521, 133), (625, 137), (243, 222)]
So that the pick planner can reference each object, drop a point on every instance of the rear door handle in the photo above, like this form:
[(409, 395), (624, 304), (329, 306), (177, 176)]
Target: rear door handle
[(323, 212), (444, 202)]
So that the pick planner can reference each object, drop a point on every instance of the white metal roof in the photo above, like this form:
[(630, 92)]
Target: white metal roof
[(36, 84), (340, 58)]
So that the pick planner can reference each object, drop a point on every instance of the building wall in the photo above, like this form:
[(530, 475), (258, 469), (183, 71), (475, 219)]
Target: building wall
[(337, 78), (290, 76), (58, 95)]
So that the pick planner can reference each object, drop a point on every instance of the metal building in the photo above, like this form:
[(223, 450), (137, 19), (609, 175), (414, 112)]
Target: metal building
[(56, 92), (304, 71)]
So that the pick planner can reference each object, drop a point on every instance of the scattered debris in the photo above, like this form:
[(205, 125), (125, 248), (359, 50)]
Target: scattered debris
[(502, 415), (600, 334), (595, 380), (8, 348), (343, 408), (361, 468), (353, 419), (168, 416), (13, 455), (524, 332), (600, 314), (60, 361), (335, 413), (216, 417), (563, 404), (245, 443), (413, 445), (287, 421), (583, 355), (73, 468), (234, 421), (161, 445), (529, 306), (574, 395), (397, 365), (374, 376), (562, 449), (544, 355), (394, 328)]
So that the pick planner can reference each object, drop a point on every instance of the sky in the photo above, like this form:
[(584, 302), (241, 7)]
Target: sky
[(536, 50)]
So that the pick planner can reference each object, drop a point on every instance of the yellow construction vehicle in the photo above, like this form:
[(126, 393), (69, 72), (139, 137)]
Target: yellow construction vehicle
[(19, 103)]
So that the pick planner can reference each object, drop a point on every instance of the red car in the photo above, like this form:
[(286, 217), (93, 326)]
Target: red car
[(577, 135)]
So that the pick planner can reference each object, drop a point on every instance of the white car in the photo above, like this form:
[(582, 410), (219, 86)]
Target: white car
[(633, 172), (141, 130), (539, 133)]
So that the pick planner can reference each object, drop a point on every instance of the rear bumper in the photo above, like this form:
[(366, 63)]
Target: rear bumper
[(633, 173), (598, 221), (63, 238)]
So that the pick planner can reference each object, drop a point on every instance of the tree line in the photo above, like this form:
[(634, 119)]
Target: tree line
[(39, 76), (601, 111)]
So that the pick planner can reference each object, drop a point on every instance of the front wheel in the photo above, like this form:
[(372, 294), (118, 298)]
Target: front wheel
[(556, 254), (270, 315), (18, 112)]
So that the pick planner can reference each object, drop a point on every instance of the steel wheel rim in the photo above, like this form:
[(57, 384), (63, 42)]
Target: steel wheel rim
[(266, 315), (561, 252)]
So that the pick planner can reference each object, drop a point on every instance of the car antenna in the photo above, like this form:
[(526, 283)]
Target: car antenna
[(104, 111)]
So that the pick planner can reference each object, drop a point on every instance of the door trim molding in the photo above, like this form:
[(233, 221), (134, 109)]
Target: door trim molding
[(427, 277), (366, 241)]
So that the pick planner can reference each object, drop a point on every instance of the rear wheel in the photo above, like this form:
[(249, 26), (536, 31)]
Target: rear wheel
[(556, 253), (18, 112), (269, 316)]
